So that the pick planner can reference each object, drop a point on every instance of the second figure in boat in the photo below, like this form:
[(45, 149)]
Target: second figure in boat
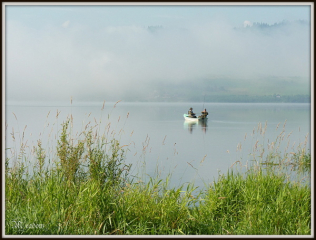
[(204, 114)]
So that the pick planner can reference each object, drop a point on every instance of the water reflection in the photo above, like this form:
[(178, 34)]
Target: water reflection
[(192, 125)]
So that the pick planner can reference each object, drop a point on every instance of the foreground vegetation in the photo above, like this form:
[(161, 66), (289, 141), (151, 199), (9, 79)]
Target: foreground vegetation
[(87, 190)]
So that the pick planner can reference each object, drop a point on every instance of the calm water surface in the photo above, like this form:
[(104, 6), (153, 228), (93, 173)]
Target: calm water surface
[(158, 138)]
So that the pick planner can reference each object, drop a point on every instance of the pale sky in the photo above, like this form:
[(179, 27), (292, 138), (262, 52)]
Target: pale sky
[(100, 16), (54, 52)]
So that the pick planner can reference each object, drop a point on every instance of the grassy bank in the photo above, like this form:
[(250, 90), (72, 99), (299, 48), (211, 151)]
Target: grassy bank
[(87, 189)]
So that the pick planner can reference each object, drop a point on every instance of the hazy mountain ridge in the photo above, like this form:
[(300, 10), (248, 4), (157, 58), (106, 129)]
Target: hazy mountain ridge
[(224, 88), (271, 89)]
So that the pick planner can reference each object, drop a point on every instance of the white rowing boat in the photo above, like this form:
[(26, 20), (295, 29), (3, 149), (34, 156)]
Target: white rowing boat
[(187, 117), (191, 117)]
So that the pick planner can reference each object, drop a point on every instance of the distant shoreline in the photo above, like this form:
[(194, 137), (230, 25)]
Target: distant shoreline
[(242, 99)]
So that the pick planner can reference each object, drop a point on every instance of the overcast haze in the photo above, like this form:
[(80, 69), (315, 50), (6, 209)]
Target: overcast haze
[(55, 52)]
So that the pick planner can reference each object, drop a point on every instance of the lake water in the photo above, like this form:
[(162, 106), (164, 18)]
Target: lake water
[(158, 138)]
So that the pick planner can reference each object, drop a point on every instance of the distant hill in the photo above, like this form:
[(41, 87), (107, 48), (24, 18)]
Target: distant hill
[(271, 89)]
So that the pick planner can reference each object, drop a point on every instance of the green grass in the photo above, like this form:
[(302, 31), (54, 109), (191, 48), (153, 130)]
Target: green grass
[(87, 189)]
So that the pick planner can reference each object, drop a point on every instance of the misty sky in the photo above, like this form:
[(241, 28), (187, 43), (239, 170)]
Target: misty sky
[(55, 52)]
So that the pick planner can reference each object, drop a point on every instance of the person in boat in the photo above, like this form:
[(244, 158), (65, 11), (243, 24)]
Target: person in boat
[(191, 113), (204, 113)]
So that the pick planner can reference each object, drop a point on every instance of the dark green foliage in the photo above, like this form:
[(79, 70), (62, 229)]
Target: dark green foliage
[(69, 154), (106, 165)]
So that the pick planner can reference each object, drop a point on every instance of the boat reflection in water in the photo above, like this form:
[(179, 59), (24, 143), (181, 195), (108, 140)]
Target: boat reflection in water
[(198, 124)]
